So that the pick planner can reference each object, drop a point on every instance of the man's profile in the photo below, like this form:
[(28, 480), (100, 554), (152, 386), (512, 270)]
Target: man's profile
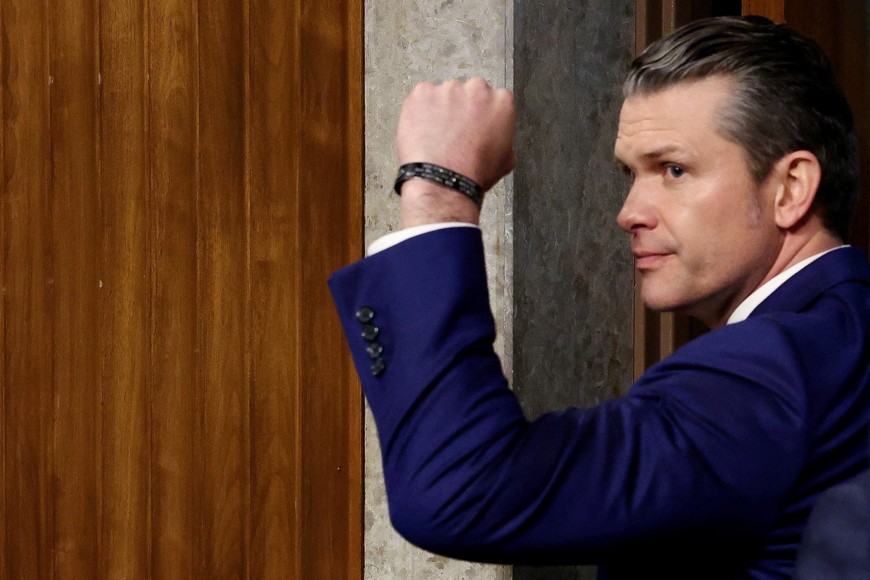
[(742, 160)]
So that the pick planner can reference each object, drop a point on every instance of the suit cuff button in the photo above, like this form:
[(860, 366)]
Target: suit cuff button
[(374, 350), (370, 332), (365, 315), (378, 367)]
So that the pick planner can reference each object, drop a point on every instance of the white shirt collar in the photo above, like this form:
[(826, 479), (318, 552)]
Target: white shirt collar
[(761, 293)]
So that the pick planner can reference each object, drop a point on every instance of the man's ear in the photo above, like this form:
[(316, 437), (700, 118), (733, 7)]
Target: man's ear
[(798, 175)]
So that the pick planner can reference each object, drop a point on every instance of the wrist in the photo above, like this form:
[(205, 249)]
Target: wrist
[(424, 202)]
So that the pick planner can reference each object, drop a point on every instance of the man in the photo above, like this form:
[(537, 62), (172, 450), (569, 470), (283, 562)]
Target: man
[(743, 168)]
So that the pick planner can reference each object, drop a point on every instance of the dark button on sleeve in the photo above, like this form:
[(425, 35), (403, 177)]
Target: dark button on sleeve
[(378, 367), (374, 350), (370, 332), (365, 314)]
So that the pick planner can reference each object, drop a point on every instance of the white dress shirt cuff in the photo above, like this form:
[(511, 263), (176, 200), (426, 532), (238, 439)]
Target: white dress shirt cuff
[(390, 240)]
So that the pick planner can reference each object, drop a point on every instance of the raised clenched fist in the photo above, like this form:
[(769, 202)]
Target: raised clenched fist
[(467, 127)]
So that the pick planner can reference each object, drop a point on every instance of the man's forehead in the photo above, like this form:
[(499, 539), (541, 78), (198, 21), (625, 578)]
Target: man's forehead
[(680, 100), (671, 119)]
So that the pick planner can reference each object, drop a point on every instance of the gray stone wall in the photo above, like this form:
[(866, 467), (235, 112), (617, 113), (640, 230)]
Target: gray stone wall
[(573, 273)]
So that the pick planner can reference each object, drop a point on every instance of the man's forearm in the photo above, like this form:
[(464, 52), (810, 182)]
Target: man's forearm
[(425, 203)]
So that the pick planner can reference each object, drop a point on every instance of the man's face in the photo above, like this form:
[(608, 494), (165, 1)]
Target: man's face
[(702, 230)]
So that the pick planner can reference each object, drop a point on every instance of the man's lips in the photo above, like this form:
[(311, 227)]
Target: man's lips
[(648, 259)]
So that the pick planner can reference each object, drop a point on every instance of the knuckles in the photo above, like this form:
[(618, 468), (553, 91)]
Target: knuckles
[(474, 91)]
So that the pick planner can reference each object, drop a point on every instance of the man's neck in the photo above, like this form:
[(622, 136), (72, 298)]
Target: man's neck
[(760, 294), (809, 239), (798, 247)]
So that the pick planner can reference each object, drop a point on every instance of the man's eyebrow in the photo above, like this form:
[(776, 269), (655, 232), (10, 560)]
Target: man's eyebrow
[(655, 154), (663, 151)]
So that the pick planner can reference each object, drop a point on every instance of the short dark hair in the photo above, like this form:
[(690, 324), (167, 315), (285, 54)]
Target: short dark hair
[(786, 99)]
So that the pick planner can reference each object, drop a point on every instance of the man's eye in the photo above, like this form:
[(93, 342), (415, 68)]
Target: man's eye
[(675, 171)]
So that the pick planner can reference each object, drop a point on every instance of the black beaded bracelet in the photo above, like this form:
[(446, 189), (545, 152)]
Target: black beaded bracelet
[(441, 176)]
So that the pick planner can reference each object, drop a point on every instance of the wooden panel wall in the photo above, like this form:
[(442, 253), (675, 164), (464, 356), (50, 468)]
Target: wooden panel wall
[(772, 9), (178, 180), (840, 27)]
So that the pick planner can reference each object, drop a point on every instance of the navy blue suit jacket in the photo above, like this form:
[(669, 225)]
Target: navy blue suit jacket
[(708, 467)]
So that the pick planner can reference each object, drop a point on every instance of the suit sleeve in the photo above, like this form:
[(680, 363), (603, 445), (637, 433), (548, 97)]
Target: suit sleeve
[(696, 450)]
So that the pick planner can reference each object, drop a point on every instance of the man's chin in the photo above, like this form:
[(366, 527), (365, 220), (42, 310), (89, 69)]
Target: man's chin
[(659, 303), (662, 304)]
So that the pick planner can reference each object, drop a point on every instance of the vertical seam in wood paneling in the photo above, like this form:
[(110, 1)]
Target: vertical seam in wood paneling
[(198, 426), (667, 334), (640, 27), (639, 339), (50, 449), (4, 382), (98, 170), (669, 17), (297, 273), (151, 229), (247, 323)]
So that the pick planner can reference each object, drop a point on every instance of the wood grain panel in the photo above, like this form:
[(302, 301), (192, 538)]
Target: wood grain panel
[(177, 401), (853, 70), (275, 123), (28, 296), (773, 9), (351, 249), (223, 288), (125, 275), (176, 404), (841, 28), (3, 229), (648, 24), (75, 247), (326, 135)]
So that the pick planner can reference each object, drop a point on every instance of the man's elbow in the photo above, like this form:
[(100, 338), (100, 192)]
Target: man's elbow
[(415, 518), (437, 524)]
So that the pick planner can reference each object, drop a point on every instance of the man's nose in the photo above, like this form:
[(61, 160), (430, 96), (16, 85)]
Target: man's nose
[(637, 210)]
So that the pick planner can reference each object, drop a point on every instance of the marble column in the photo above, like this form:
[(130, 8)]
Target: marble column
[(406, 42)]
